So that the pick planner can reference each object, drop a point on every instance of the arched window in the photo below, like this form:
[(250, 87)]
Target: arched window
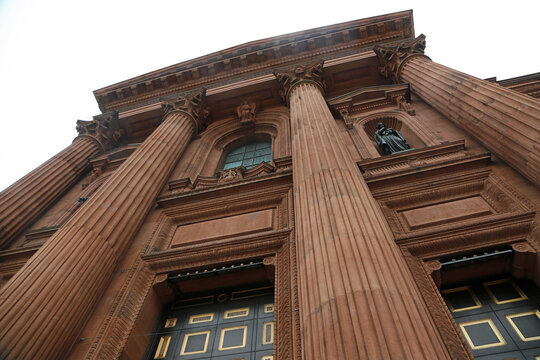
[(249, 155)]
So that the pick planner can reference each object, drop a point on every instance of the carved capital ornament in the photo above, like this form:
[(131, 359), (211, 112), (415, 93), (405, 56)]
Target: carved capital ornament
[(393, 57), (104, 129), (193, 105), (288, 79)]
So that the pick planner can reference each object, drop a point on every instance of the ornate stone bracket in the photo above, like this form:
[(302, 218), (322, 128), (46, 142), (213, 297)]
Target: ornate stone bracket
[(104, 129), (392, 57), (246, 112), (347, 119), (524, 260), (403, 105), (433, 268), (194, 105), (288, 79)]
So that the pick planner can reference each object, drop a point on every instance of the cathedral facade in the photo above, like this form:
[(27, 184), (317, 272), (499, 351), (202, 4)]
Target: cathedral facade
[(327, 194)]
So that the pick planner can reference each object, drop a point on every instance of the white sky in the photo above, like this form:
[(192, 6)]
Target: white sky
[(54, 53)]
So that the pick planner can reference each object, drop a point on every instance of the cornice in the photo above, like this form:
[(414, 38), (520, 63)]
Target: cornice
[(182, 189), (257, 56), (468, 235), (165, 261)]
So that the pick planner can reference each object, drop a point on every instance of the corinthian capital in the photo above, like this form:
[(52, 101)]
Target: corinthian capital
[(391, 57), (194, 105), (288, 79), (104, 128)]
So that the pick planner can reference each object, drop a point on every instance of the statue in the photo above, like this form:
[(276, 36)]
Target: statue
[(390, 141), (246, 112)]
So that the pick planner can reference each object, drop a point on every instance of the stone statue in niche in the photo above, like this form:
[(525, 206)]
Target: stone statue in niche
[(390, 141)]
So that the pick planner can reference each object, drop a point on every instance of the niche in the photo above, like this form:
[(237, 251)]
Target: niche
[(370, 127)]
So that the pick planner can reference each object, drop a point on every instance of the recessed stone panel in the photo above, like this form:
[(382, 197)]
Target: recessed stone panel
[(447, 212), (224, 227)]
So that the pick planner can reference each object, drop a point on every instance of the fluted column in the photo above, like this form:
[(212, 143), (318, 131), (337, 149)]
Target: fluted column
[(55, 292), (358, 298), (23, 202), (504, 121)]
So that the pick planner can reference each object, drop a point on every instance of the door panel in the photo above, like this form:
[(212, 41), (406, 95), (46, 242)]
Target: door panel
[(220, 329)]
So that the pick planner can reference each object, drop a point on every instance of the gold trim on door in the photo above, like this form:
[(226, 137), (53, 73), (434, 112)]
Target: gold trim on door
[(268, 333), (170, 323), (163, 346), (222, 337), (510, 318), (184, 344), (499, 336), (201, 318), (459, 289), (236, 313), (496, 282)]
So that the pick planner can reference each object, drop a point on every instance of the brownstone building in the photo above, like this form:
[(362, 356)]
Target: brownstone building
[(327, 194)]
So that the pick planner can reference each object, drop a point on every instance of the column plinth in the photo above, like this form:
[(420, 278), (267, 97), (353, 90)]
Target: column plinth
[(358, 299), (506, 122), (58, 287)]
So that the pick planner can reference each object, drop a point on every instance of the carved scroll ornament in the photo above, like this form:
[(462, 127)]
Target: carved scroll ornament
[(288, 79), (194, 105), (104, 128), (391, 57)]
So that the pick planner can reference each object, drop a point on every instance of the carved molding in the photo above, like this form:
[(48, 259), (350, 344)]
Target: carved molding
[(224, 178), (104, 129), (194, 105), (410, 162), (392, 57), (288, 79), (446, 325)]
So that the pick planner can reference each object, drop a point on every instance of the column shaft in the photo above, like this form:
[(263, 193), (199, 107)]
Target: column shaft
[(504, 121), (23, 202), (56, 290), (358, 298)]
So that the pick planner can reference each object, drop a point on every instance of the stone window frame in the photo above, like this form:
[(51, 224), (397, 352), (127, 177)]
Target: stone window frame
[(245, 141)]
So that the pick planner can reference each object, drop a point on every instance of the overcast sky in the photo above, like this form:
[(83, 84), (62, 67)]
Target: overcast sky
[(54, 53)]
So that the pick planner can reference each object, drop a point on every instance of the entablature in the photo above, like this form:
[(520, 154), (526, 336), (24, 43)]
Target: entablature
[(258, 58)]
